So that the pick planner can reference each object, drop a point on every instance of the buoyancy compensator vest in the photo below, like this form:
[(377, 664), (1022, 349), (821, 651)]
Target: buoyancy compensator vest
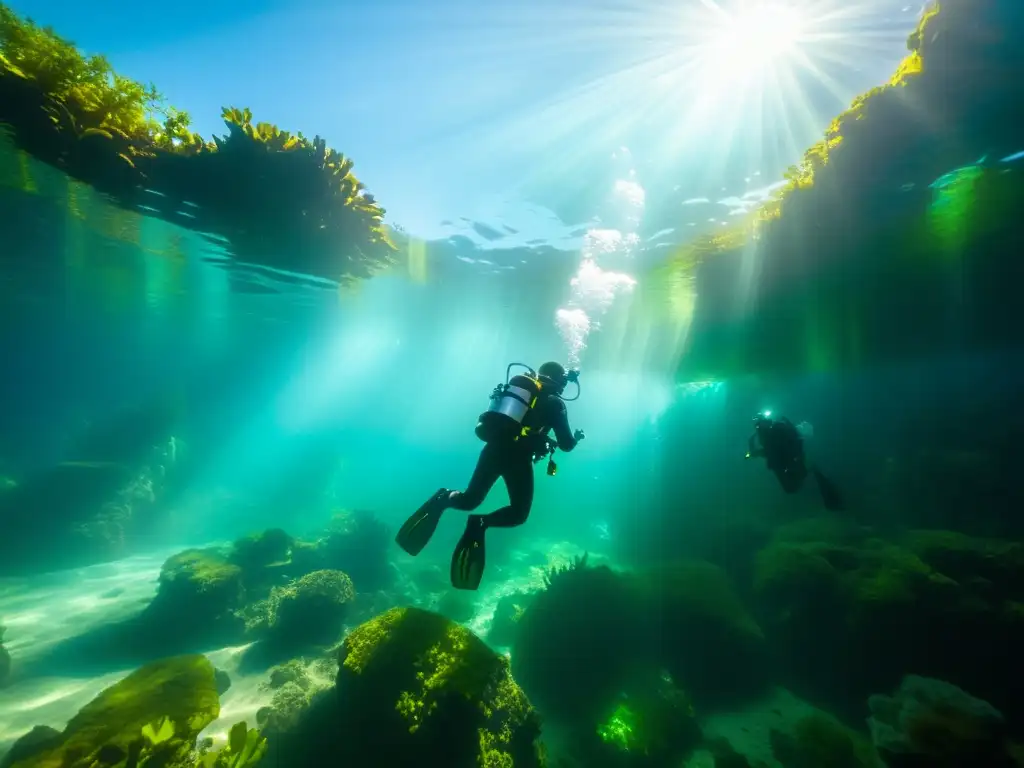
[(505, 420)]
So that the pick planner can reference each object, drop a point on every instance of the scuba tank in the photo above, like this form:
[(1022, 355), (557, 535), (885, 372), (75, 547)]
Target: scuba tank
[(505, 419), (510, 402)]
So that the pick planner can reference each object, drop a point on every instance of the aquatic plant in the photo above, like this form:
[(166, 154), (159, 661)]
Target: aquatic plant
[(161, 705), (707, 639), (577, 640), (244, 749), (265, 190), (414, 687), (651, 723), (578, 563)]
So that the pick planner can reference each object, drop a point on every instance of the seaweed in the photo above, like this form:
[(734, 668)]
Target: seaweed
[(266, 191)]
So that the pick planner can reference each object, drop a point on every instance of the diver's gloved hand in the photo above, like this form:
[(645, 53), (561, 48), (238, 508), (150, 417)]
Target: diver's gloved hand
[(578, 435)]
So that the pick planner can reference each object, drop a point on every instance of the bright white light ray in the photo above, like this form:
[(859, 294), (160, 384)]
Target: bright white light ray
[(711, 78)]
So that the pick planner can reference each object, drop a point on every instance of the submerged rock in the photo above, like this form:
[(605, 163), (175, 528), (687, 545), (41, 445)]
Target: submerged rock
[(182, 689), (709, 642), (848, 614), (414, 688), (295, 684), (931, 722), (197, 598), (311, 610)]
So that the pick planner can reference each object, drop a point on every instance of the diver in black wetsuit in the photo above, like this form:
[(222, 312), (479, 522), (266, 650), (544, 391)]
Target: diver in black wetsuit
[(781, 445), (515, 429)]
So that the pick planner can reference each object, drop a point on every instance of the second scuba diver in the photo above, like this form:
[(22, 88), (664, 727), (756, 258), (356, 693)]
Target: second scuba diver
[(780, 443), (515, 431)]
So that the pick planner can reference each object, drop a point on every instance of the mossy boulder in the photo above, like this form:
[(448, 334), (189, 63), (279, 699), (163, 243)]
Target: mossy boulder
[(579, 640), (310, 611), (928, 722), (294, 685), (202, 586), (819, 740), (202, 579), (709, 642), (414, 688), (195, 609), (992, 566), (182, 689), (850, 615), (256, 551)]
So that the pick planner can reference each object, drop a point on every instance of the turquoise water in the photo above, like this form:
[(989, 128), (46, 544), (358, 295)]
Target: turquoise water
[(200, 455)]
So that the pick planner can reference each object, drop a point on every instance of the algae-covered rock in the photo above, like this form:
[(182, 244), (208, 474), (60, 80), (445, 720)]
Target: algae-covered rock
[(415, 688), (258, 550), (931, 722), (295, 684), (850, 615), (182, 689), (199, 585), (311, 610), (709, 642), (819, 740), (995, 565), (202, 579), (578, 641)]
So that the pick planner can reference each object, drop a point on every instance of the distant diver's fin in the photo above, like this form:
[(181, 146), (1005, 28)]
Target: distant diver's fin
[(469, 558), (830, 494), (416, 532)]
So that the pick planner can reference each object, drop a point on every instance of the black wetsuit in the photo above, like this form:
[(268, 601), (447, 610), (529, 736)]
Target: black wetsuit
[(783, 450), (513, 461)]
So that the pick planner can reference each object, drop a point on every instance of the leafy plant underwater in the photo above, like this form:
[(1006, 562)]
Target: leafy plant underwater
[(258, 182)]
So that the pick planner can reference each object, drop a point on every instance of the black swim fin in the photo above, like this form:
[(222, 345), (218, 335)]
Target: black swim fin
[(830, 494), (469, 558), (415, 534)]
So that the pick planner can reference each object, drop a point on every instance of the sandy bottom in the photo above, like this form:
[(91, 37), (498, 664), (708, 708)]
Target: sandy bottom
[(47, 610)]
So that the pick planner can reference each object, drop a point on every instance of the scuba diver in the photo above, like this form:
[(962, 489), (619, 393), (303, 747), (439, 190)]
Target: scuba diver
[(781, 444), (515, 431)]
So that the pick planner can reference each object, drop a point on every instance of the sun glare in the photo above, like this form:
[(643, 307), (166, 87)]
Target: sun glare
[(751, 39)]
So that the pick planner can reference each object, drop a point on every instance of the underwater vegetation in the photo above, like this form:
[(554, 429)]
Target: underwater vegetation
[(151, 717), (279, 199), (902, 208), (621, 667)]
